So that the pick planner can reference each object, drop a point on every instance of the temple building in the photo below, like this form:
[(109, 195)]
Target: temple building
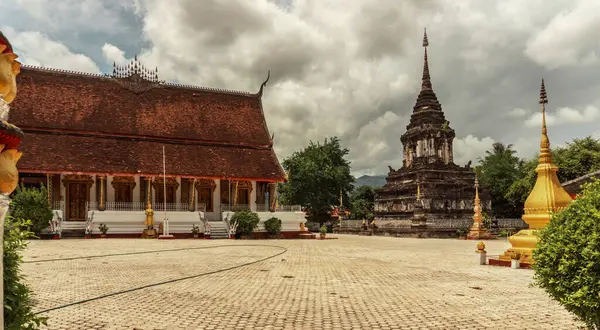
[(96, 141), (574, 187), (446, 190)]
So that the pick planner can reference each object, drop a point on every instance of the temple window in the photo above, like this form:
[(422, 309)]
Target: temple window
[(123, 186), (171, 190), (206, 191)]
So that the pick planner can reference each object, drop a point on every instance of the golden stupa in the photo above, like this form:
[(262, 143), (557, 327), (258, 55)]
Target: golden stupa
[(547, 197)]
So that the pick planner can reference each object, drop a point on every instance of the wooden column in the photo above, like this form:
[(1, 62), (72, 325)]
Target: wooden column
[(49, 188), (102, 199), (191, 195)]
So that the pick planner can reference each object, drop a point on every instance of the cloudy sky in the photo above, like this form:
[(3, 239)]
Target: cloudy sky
[(347, 68)]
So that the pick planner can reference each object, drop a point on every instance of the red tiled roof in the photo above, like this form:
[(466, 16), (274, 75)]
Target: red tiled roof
[(65, 153), (85, 123)]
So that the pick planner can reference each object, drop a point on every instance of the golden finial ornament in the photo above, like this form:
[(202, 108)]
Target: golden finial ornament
[(546, 197), (481, 247), (478, 229)]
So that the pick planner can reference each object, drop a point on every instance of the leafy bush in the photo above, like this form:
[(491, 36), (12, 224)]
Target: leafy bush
[(246, 221), (273, 226), (103, 228), (567, 257), (32, 204), (18, 313), (323, 229)]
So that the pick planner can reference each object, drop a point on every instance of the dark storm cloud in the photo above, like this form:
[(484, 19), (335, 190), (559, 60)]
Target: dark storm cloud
[(353, 68)]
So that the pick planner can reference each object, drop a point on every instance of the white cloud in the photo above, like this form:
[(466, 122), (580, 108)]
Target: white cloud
[(565, 115), (346, 68), (113, 54), (517, 113), (470, 148), (35, 48), (570, 38)]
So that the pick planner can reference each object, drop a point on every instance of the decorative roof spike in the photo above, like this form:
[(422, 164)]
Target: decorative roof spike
[(543, 96), (426, 79), (262, 86), (545, 154)]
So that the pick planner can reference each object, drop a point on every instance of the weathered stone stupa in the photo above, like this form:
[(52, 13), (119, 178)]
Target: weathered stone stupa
[(446, 189)]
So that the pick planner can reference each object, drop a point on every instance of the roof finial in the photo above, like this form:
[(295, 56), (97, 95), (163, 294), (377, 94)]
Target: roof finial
[(545, 154), (426, 80), (262, 86)]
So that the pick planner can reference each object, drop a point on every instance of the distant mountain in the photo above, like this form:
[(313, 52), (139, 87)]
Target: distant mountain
[(375, 181)]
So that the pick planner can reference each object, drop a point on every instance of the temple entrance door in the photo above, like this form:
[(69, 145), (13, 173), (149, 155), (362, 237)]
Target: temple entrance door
[(123, 193), (76, 200)]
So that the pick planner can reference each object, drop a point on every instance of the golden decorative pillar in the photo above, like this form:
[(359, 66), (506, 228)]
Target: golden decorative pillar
[(148, 190), (102, 199), (478, 230), (10, 139), (272, 197), (191, 195), (547, 197)]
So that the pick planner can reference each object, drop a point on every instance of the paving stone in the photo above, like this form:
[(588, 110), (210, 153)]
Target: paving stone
[(353, 282)]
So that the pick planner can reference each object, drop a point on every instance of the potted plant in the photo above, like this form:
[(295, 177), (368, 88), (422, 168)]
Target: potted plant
[(323, 231), (207, 230), (54, 229), (88, 229), (195, 231), (273, 227), (103, 228), (515, 260), (232, 230)]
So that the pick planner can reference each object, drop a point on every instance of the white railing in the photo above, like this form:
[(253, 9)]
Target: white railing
[(261, 208), (138, 206), (234, 208), (58, 205)]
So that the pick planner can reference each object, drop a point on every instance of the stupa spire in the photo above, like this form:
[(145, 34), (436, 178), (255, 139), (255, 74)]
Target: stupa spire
[(426, 80), (545, 154), (546, 197)]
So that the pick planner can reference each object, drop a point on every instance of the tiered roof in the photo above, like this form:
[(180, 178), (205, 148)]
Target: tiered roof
[(117, 124)]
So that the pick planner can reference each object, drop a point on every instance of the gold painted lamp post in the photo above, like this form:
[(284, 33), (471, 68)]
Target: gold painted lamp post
[(10, 139)]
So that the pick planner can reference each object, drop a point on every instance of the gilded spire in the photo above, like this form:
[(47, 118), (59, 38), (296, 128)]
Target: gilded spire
[(426, 80), (477, 200), (418, 191), (545, 154)]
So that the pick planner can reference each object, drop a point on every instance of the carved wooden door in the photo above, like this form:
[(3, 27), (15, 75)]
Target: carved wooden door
[(243, 197), (77, 199), (123, 193)]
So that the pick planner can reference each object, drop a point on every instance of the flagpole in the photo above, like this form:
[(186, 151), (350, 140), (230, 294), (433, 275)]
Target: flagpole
[(166, 231)]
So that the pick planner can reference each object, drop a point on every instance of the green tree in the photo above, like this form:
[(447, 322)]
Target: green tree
[(577, 158), (18, 306), (362, 203), (567, 257), (520, 188), (316, 177), (32, 204), (497, 171)]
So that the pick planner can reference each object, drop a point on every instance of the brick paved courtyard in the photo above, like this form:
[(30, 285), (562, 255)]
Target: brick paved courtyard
[(352, 282)]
